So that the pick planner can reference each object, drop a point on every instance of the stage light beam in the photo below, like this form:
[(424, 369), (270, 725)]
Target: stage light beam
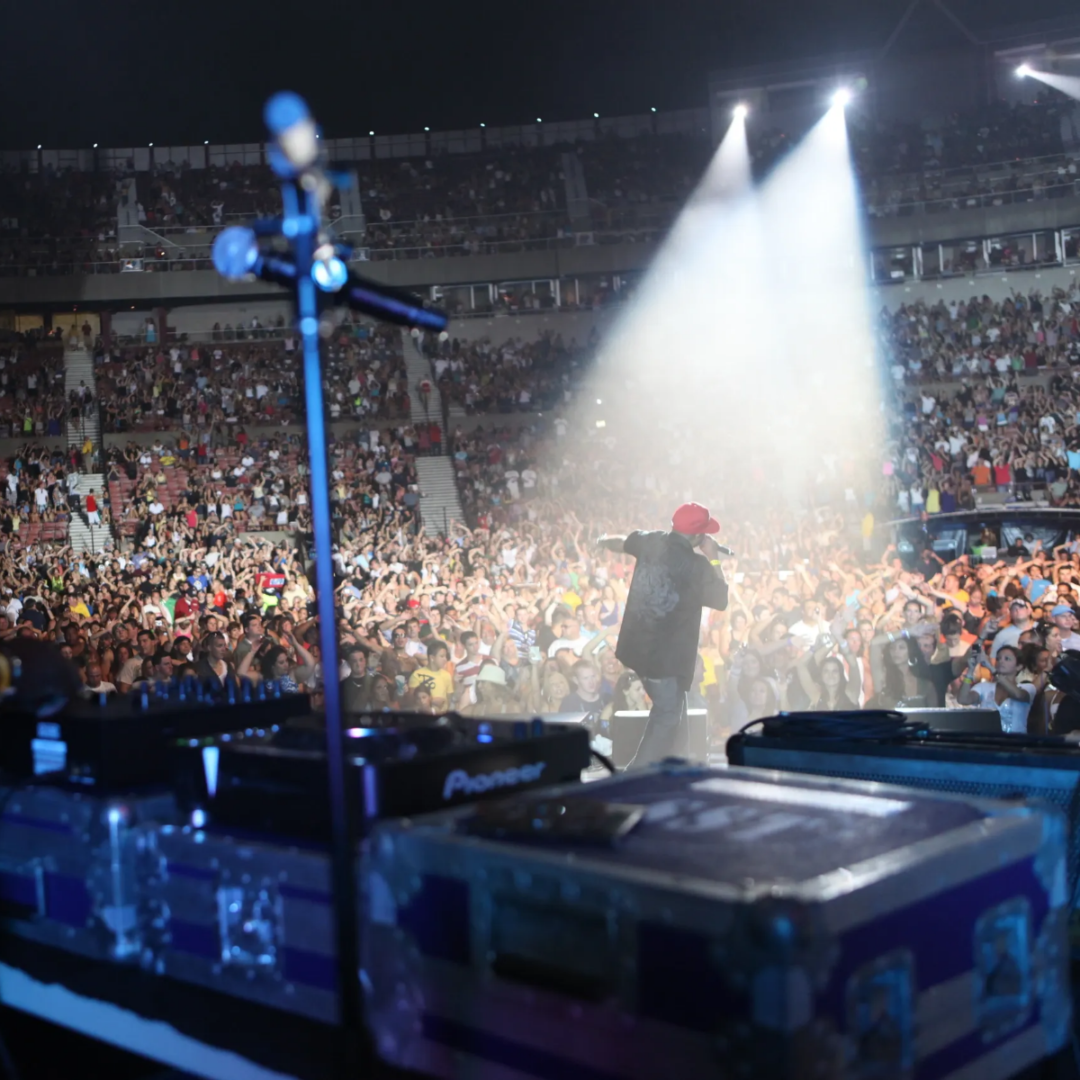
[(1023, 71), (842, 98), (752, 331), (740, 111), (1067, 84)]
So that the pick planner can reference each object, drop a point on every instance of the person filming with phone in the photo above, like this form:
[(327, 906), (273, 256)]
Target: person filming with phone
[(1011, 698), (677, 574)]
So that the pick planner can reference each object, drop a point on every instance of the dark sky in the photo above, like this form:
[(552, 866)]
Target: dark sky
[(124, 73)]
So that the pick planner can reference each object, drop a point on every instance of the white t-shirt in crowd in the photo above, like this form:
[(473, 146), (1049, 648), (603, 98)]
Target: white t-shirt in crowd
[(577, 644), (1014, 714)]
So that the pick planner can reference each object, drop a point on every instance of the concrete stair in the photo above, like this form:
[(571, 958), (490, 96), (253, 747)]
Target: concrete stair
[(440, 504), (79, 368), (419, 368), (81, 534)]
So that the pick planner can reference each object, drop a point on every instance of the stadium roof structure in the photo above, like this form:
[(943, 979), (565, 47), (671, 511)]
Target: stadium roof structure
[(791, 72), (924, 26)]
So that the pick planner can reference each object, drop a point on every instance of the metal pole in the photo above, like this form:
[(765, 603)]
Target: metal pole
[(898, 29), (237, 255), (343, 856)]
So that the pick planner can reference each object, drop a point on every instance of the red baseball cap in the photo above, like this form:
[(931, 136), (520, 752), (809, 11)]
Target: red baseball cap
[(693, 518)]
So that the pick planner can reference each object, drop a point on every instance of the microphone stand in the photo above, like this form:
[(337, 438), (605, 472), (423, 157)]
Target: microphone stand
[(294, 156)]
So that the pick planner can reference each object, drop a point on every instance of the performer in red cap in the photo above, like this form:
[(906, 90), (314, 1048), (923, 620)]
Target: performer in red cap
[(660, 629)]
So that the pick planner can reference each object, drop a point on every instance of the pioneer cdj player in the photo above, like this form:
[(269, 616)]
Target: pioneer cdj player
[(399, 765), (122, 743)]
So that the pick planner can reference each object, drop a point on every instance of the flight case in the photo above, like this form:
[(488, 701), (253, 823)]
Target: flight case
[(749, 924)]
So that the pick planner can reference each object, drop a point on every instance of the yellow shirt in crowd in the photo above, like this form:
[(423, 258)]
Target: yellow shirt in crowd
[(440, 683)]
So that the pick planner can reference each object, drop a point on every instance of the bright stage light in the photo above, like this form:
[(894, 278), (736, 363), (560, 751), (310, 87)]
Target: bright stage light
[(740, 111), (842, 97), (1023, 71)]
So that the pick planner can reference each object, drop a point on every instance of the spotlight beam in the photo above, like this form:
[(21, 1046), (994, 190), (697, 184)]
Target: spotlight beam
[(708, 298), (1067, 84)]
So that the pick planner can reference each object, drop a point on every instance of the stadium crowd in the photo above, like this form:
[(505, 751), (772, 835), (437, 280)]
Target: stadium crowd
[(513, 197), (226, 382), (516, 610), (36, 488), (520, 612), (512, 376), (32, 398), (55, 221)]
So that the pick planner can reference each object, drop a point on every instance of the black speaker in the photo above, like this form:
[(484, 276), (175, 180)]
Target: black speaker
[(628, 727)]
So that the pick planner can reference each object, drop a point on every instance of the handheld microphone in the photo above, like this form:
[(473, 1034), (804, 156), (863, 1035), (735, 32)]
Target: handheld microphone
[(725, 551), (237, 255)]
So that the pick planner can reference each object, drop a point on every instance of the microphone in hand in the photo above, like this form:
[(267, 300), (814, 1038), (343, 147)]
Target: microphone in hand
[(710, 547)]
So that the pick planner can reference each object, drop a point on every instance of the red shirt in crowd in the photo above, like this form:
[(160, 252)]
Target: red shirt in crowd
[(91, 504)]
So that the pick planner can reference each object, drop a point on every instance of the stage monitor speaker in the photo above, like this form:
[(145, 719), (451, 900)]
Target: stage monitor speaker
[(972, 721), (628, 727)]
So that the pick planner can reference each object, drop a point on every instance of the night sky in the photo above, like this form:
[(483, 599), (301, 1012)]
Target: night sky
[(122, 74)]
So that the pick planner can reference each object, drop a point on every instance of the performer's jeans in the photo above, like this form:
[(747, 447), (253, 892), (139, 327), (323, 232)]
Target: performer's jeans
[(667, 731)]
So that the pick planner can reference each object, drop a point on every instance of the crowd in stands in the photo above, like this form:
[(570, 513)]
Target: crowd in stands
[(430, 238), (55, 221), (250, 382), (193, 555), (982, 337), (516, 610), (252, 484), (179, 196), (513, 376), (650, 169), (513, 198), (32, 398), (36, 489), (985, 398), (992, 133), (520, 612)]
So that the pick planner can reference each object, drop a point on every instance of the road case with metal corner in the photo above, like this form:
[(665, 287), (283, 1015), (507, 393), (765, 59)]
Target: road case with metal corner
[(701, 923), (1044, 770), (74, 868), (246, 906), (251, 919)]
